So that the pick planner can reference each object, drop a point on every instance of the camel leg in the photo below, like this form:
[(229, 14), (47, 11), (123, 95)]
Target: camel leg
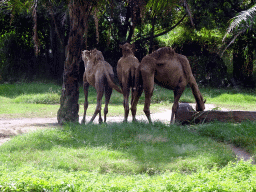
[(148, 85), (135, 99), (86, 87), (177, 94), (108, 92), (148, 95), (99, 86), (126, 92)]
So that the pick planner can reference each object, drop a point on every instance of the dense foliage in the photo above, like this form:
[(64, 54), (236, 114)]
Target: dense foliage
[(148, 24)]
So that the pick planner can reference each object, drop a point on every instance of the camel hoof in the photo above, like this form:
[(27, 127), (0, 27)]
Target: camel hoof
[(125, 121), (135, 120), (83, 122)]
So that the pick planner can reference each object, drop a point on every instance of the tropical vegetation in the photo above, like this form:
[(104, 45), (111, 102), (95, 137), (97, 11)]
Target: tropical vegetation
[(38, 37)]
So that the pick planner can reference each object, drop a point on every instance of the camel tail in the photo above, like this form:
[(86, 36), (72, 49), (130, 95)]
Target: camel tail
[(132, 76), (138, 82), (111, 83)]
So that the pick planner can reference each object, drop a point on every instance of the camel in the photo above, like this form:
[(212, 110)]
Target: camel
[(99, 74), (169, 70), (126, 67)]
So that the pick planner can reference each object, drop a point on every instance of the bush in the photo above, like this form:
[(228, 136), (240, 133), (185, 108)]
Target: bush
[(16, 57)]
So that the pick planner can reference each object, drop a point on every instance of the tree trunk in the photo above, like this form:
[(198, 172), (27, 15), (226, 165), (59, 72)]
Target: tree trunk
[(243, 60), (238, 60), (69, 108), (152, 35), (248, 71)]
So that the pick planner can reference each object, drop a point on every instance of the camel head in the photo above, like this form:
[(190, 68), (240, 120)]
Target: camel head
[(200, 104), (86, 55), (127, 49), (96, 55), (91, 57)]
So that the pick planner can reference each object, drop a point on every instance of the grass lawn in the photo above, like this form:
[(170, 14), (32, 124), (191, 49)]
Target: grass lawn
[(125, 156), (42, 100), (122, 157)]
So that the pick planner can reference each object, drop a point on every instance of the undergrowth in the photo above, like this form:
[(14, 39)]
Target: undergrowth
[(233, 177)]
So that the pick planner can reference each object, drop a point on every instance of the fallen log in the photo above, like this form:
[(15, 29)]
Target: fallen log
[(186, 115)]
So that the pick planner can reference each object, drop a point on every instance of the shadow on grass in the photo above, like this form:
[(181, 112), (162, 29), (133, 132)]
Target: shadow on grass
[(121, 148)]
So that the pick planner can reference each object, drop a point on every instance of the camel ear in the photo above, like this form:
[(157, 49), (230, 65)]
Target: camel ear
[(205, 101), (133, 47)]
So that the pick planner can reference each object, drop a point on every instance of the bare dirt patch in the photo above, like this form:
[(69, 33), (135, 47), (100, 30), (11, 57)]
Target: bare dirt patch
[(13, 127)]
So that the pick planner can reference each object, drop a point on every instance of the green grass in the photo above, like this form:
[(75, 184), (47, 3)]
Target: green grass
[(42, 100), (127, 148), (231, 98), (125, 156), (240, 134), (61, 157), (122, 157), (18, 89), (233, 177)]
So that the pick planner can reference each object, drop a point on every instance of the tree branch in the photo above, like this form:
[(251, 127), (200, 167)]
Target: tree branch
[(54, 21), (232, 41), (164, 32)]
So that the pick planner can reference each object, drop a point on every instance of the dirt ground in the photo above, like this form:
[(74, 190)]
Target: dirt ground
[(13, 127)]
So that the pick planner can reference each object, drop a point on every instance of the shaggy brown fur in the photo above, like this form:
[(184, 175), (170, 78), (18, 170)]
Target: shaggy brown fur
[(126, 67), (99, 74), (169, 70)]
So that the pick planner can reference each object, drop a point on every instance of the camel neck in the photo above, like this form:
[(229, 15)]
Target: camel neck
[(127, 53)]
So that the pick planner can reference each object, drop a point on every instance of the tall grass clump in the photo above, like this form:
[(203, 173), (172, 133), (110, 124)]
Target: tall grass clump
[(46, 98)]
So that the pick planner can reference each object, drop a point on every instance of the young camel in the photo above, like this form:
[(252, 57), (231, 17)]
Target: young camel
[(126, 67), (99, 74), (169, 70)]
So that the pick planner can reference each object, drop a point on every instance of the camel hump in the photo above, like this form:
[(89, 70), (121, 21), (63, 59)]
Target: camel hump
[(110, 78)]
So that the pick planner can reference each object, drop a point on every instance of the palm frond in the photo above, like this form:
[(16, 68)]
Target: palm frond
[(157, 6), (242, 21)]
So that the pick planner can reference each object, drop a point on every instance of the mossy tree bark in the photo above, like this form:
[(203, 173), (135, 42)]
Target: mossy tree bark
[(79, 12)]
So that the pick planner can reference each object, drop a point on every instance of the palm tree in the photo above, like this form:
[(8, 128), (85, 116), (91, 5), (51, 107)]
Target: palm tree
[(241, 23)]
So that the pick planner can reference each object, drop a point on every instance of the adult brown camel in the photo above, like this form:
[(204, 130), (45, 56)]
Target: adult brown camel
[(126, 67), (99, 74), (169, 70)]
